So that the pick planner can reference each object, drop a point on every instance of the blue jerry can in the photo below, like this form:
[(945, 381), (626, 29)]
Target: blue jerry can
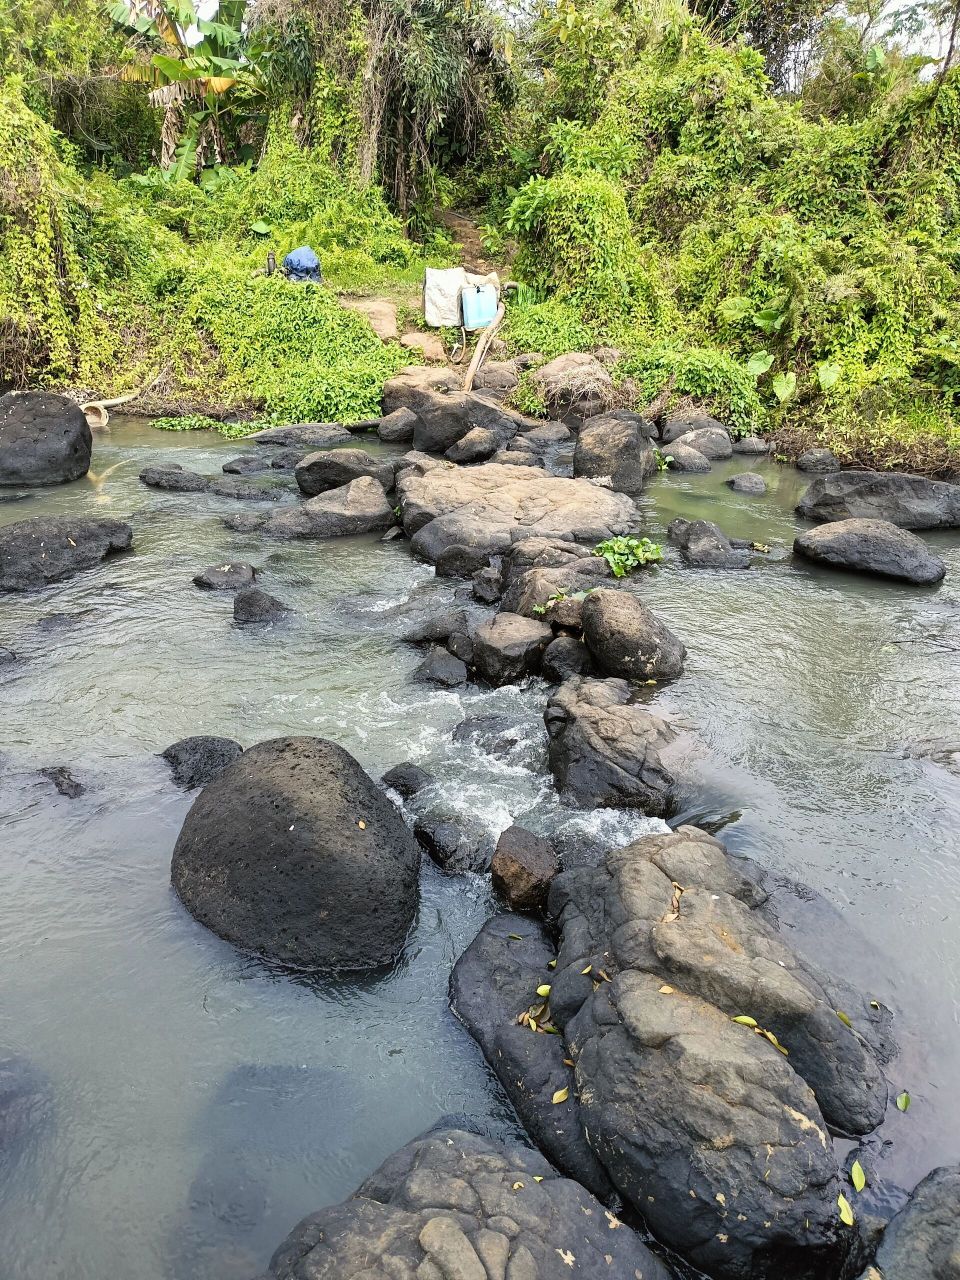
[(478, 305)]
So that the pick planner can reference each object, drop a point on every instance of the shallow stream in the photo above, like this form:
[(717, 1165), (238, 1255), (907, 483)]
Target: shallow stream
[(204, 1102)]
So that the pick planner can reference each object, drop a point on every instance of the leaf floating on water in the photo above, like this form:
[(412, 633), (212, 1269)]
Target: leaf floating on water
[(843, 1018), (561, 1095), (745, 1020), (903, 1100), (666, 990), (857, 1176), (544, 990), (846, 1213)]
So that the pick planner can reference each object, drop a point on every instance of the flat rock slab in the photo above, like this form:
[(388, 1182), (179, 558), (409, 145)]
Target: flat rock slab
[(455, 1206), (50, 548), (497, 505), (358, 507), (303, 435), (44, 439), (912, 502), (380, 314), (176, 479), (872, 546)]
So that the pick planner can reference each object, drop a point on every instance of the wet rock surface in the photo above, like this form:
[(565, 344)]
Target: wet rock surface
[(912, 502), (406, 779), (295, 853), (64, 781), (747, 482), (871, 546), (441, 667), (453, 844), (50, 548), (231, 576), (923, 1240), (333, 468), (44, 439), (606, 750), (705, 546), (455, 1206), (251, 605), (195, 761), (627, 639), (522, 868), (176, 479), (508, 648), (358, 507)]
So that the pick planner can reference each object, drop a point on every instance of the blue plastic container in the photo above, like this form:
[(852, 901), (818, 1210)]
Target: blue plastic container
[(478, 305)]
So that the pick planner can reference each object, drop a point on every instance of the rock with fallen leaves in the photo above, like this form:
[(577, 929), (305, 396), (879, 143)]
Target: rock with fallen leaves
[(708, 1054), (295, 853), (493, 991), (48, 549), (455, 1206)]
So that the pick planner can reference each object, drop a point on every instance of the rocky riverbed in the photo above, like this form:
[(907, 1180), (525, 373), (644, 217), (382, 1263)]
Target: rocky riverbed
[(802, 712)]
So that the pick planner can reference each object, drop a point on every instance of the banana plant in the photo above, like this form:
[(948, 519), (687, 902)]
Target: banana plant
[(199, 69)]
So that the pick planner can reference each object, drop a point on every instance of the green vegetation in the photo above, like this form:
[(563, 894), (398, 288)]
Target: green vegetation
[(623, 555), (768, 227)]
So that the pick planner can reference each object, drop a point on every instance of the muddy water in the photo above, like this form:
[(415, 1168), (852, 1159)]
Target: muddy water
[(203, 1102)]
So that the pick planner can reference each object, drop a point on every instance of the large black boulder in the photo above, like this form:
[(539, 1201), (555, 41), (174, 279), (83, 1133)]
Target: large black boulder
[(616, 445), (50, 548), (453, 1205), (44, 439), (194, 761), (871, 546), (923, 1240), (295, 853), (912, 502)]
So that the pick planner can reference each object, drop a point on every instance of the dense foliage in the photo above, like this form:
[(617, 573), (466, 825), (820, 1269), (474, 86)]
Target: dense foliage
[(757, 206)]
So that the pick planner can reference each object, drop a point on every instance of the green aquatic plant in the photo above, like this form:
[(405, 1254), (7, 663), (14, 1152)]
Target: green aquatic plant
[(625, 554)]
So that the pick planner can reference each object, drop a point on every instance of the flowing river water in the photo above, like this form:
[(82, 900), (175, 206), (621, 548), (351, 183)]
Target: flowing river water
[(203, 1102)]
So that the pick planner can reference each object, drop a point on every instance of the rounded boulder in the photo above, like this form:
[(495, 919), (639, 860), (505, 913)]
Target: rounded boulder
[(627, 639), (295, 853), (44, 439)]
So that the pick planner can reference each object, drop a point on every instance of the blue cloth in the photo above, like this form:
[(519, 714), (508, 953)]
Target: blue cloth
[(302, 264)]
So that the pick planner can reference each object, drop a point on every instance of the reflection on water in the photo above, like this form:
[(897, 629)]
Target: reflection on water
[(204, 1102)]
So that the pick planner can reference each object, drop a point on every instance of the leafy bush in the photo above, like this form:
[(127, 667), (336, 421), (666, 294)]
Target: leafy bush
[(551, 327), (707, 375)]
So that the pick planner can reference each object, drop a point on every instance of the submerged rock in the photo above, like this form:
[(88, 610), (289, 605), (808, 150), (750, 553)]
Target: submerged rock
[(25, 1106), (747, 482), (50, 548), (912, 502), (705, 546), (872, 546), (225, 577), (302, 435), (64, 781), (627, 639), (251, 605), (195, 761), (333, 468), (176, 479), (605, 749), (358, 507), (616, 445), (44, 439), (452, 1205), (406, 779), (522, 868), (295, 853), (923, 1240)]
